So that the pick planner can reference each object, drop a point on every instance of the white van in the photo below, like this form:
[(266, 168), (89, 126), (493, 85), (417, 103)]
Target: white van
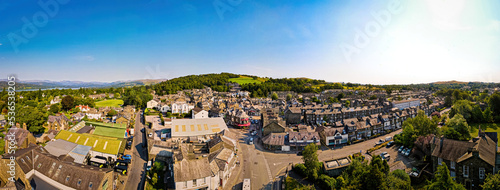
[(148, 167), (388, 138)]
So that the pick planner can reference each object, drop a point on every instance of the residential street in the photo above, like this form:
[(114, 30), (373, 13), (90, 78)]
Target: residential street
[(139, 158)]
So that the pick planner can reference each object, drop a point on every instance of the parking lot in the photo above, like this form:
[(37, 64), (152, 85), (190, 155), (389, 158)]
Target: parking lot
[(395, 157), (157, 127)]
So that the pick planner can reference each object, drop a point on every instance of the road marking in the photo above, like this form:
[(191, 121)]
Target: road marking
[(268, 170)]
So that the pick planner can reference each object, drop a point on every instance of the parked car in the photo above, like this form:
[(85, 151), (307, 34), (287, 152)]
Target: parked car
[(250, 141), (390, 144), (127, 157), (385, 156), (128, 145), (253, 133), (150, 135), (401, 148), (122, 162), (380, 141), (121, 169), (408, 151)]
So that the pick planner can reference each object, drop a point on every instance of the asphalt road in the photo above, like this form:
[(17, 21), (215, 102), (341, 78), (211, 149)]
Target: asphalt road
[(136, 173), (262, 167), (255, 165)]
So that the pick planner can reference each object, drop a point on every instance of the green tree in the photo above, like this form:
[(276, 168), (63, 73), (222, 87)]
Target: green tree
[(288, 97), (373, 97), (340, 96), (408, 136), (488, 115), (154, 179), (448, 101), (274, 96), (347, 103), (310, 158), (112, 113), (376, 176), (462, 107), (326, 182), (492, 182), (33, 118), (477, 114), (443, 180), (422, 124), (494, 104), (117, 95), (68, 102), (399, 179), (388, 91), (54, 108), (459, 124)]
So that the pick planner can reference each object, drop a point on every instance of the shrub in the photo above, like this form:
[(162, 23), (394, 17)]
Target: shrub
[(300, 169)]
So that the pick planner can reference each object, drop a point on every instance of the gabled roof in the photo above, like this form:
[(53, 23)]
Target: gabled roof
[(274, 139), (186, 170), (486, 149)]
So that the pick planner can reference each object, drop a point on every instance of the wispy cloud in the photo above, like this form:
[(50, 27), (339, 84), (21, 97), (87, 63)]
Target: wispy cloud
[(84, 58)]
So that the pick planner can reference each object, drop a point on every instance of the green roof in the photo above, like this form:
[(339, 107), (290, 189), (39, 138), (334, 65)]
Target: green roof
[(98, 143)]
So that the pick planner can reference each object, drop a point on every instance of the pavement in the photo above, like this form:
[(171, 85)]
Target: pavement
[(139, 158)]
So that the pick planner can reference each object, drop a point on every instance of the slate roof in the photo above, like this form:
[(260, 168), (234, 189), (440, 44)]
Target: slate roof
[(274, 139), (37, 158), (458, 151), (53, 119), (186, 170)]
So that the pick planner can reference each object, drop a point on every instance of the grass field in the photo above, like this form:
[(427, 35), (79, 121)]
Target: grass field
[(109, 129), (488, 127), (116, 125), (110, 132), (109, 103), (246, 80), (98, 143)]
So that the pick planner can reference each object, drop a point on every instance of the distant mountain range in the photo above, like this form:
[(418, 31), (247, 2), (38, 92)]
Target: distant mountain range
[(47, 84)]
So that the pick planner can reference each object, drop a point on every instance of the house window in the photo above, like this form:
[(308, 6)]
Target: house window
[(203, 181), (466, 171), (185, 184), (440, 161), (194, 182), (67, 178), (452, 165), (481, 173), (453, 175)]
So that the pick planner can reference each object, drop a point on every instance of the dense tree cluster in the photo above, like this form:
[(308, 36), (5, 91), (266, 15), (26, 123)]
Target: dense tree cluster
[(421, 125)]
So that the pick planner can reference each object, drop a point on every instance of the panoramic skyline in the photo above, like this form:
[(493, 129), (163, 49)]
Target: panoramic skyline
[(383, 42)]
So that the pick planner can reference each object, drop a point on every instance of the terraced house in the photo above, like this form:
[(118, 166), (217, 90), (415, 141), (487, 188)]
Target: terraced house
[(468, 161)]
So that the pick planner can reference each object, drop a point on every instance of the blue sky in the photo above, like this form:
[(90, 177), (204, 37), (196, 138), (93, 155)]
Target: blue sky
[(382, 42)]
